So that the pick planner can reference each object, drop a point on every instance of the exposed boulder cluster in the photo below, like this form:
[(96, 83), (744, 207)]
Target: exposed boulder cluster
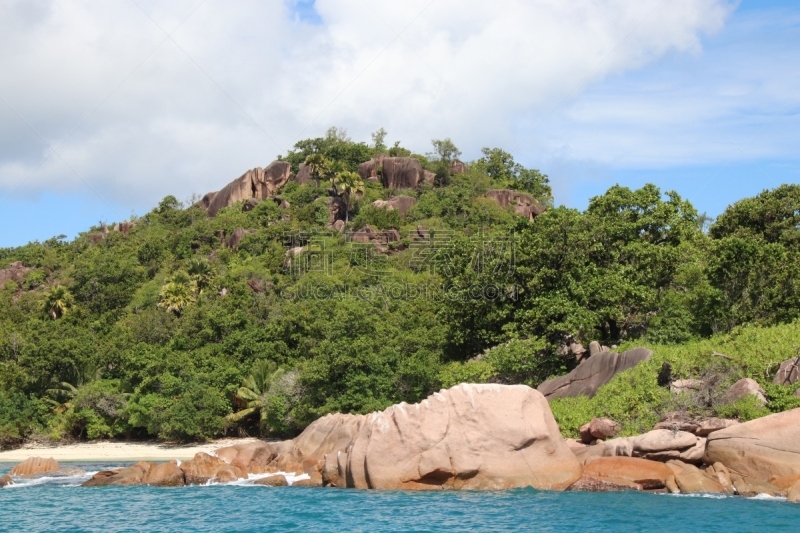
[(260, 183), (523, 204), (15, 272), (398, 203)]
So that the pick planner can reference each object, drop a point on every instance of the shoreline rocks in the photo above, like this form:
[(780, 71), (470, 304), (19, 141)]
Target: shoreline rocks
[(487, 437)]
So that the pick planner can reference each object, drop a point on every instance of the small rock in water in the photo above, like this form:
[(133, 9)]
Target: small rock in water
[(35, 465), (272, 481), (6, 480)]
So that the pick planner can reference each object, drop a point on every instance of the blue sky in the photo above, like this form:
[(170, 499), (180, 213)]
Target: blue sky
[(716, 122)]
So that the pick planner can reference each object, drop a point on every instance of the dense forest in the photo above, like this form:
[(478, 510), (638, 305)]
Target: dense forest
[(163, 326)]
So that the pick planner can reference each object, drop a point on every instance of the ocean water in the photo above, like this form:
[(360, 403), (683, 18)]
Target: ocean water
[(51, 504)]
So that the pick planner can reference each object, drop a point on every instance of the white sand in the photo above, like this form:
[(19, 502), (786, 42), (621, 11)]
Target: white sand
[(116, 451)]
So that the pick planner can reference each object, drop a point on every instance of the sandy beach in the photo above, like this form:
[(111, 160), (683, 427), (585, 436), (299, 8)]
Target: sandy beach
[(116, 451)]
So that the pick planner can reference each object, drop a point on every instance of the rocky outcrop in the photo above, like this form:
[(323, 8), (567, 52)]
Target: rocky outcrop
[(303, 174), (277, 480), (6, 481), (523, 204), (398, 203), (124, 227), (467, 437), (371, 170), (252, 457), (457, 167), (789, 372), (761, 448), (235, 239), (658, 445), (256, 183), (793, 494), (380, 238), (164, 475), (404, 173), (692, 480), (598, 429), (35, 465), (593, 373), (15, 272), (205, 202), (131, 475), (204, 468), (745, 387), (702, 427), (336, 209), (631, 472), (251, 204)]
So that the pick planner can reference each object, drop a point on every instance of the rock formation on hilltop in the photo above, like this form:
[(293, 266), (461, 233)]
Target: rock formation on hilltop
[(15, 272), (258, 183), (523, 204)]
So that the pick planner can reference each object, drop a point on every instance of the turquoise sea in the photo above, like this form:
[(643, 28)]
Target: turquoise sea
[(62, 505)]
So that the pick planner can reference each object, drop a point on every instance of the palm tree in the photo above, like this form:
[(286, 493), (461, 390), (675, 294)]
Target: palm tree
[(200, 272), (260, 390), (347, 184), (318, 165), (58, 302), (176, 295), (64, 393)]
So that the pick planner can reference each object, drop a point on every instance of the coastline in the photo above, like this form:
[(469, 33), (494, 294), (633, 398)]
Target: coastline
[(117, 450)]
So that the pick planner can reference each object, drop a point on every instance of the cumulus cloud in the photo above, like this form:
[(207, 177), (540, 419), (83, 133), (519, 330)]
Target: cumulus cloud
[(145, 98)]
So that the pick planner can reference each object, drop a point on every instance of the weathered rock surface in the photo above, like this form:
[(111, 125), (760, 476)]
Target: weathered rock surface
[(15, 272), (745, 387), (749, 487), (164, 475), (204, 468), (457, 167), (404, 173), (35, 465), (131, 475), (272, 481), (523, 204), (695, 481), (702, 427), (590, 483), (657, 445), (256, 183), (380, 239), (466, 437), (793, 495), (336, 209), (5, 481), (593, 373), (251, 204), (303, 174), (598, 429), (789, 372), (370, 170), (252, 457), (205, 202), (761, 448), (629, 470), (398, 203)]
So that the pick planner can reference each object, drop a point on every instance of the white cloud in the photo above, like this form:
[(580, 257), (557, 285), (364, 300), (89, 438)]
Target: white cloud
[(247, 79)]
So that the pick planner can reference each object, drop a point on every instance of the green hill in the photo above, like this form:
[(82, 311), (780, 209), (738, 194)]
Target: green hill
[(168, 324)]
